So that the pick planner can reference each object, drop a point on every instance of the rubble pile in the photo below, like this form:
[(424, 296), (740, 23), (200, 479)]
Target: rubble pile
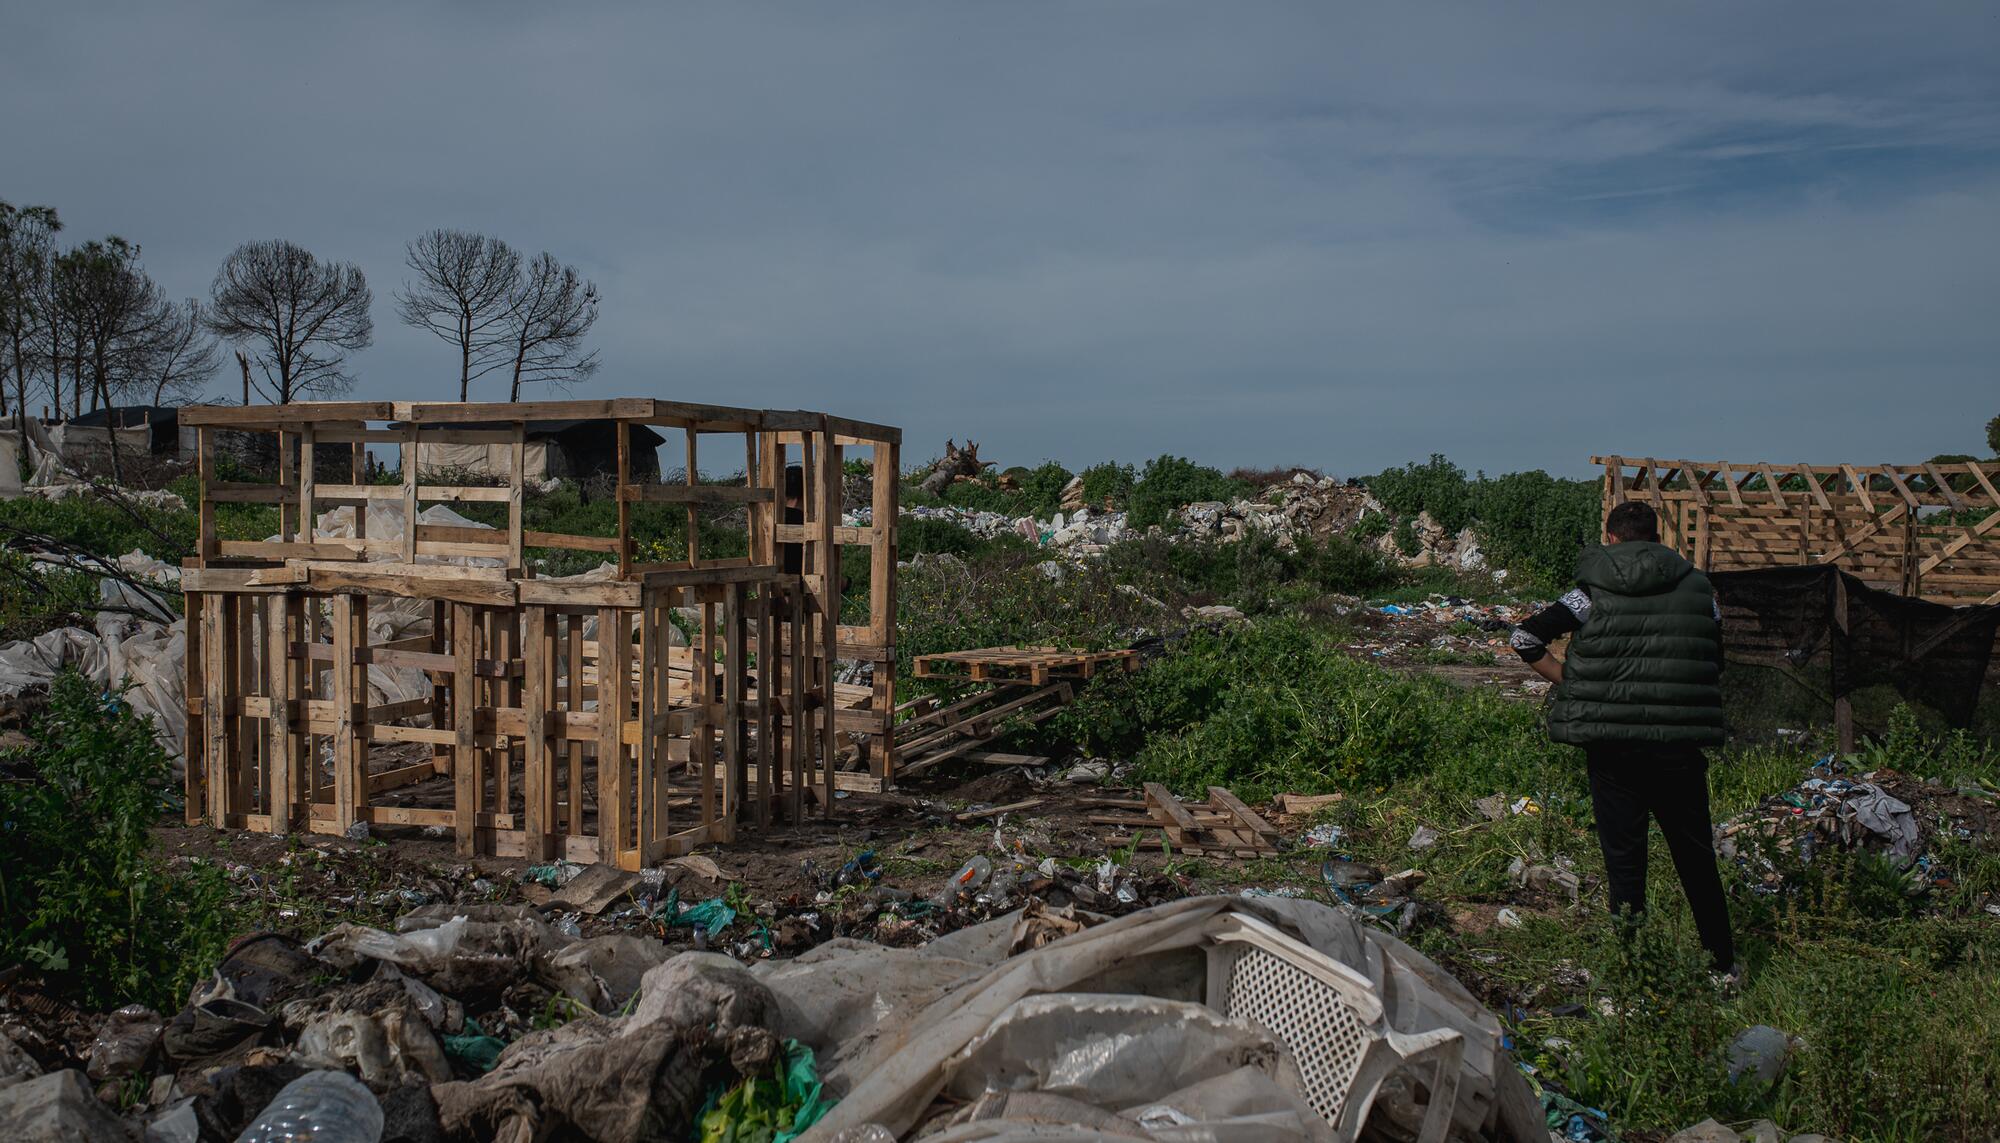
[(1304, 507)]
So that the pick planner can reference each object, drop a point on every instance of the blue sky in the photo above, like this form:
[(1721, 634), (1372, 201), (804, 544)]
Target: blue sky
[(1336, 235)]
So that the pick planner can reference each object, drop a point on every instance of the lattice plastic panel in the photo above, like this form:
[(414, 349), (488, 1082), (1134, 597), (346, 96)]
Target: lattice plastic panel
[(1309, 1016)]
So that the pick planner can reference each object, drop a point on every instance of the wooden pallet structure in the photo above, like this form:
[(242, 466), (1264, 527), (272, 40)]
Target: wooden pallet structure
[(1222, 827), (1024, 684), (1930, 531), (566, 713)]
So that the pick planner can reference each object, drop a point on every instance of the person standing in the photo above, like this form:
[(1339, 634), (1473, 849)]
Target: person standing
[(1640, 692)]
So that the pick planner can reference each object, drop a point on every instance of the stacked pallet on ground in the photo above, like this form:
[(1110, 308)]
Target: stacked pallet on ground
[(1025, 686), (618, 719), (1222, 827)]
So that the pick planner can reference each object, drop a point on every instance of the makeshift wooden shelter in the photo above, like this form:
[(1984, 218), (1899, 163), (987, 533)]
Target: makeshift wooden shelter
[(1929, 531), (619, 718)]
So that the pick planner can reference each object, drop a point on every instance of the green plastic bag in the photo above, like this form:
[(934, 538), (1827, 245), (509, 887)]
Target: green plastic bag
[(773, 1108), (474, 1048)]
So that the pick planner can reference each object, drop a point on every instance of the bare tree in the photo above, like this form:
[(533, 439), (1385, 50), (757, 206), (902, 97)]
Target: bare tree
[(462, 292), (117, 318), (298, 316), (551, 311), (181, 356), (27, 248)]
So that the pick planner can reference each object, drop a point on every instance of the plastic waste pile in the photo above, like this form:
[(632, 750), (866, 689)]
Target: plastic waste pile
[(476, 1022), (1894, 816)]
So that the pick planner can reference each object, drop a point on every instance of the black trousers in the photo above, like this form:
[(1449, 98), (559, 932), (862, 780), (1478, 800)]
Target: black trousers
[(1628, 784)]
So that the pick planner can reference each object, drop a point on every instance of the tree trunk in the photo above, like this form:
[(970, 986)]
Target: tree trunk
[(243, 363), (956, 462)]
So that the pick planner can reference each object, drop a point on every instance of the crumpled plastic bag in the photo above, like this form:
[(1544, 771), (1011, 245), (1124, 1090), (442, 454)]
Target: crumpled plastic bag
[(604, 973), (384, 1047), (1881, 813), (460, 951), (1112, 1050), (703, 990), (585, 1079), (125, 1042)]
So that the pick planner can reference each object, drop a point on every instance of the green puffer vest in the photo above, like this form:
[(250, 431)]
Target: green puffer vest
[(1646, 667)]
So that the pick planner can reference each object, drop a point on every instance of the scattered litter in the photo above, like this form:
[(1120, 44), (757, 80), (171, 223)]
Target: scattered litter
[(1507, 918), (703, 867), (1424, 837), (1760, 1053), (593, 890), (1324, 836)]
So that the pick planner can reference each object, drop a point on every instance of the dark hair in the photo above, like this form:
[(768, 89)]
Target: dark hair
[(795, 482), (1633, 520)]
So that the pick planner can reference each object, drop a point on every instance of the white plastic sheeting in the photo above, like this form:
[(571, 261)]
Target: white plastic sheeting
[(486, 459), (912, 1029), (153, 656)]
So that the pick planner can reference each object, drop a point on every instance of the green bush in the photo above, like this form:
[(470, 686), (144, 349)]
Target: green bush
[(1536, 523), (1436, 486), (920, 535), (1169, 483), (84, 897), (1042, 488), (1339, 564), (1406, 537), (1276, 705), (1108, 485)]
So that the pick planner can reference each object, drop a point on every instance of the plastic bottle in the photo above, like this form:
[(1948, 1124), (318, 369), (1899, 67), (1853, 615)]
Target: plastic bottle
[(969, 877), (318, 1107)]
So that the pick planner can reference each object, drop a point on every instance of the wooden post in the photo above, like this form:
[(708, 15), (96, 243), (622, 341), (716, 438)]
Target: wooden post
[(465, 727), (613, 690), (216, 653), (308, 523), (573, 691), (350, 707), (647, 803), (194, 683), (411, 451), (829, 618), (205, 515), (693, 515), (624, 523), (281, 684), (516, 485), (733, 759), (538, 784)]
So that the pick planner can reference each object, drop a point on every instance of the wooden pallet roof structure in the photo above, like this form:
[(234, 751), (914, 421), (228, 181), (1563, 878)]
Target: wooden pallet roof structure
[(1929, 530), (731, 728)]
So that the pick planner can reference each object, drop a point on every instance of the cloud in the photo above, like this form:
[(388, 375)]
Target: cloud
[(1252, 234)]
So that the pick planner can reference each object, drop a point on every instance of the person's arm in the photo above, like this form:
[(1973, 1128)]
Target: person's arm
[(1531, 639)]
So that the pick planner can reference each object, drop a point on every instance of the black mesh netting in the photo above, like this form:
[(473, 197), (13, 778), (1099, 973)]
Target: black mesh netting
[(1788, 657)]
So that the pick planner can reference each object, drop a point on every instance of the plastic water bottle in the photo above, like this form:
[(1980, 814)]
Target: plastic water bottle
[(969, 878), (319, 1107)]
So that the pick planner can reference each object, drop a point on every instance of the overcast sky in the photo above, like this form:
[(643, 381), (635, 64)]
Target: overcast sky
[(1342, 235)]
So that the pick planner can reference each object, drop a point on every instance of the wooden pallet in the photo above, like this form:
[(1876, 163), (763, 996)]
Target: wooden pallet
[(1224, 826), (965, 727), (1022, 666)]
